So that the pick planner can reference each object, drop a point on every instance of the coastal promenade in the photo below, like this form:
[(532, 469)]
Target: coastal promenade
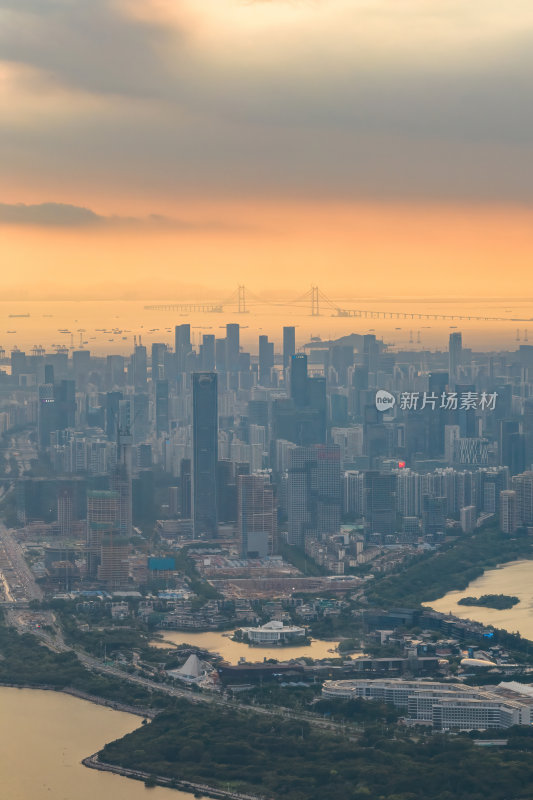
[(198, 789)]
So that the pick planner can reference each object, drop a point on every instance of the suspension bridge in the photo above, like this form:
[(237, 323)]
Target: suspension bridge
[(317, 304)]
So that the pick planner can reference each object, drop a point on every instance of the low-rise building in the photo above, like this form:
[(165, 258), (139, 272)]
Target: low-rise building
[(445, 706)]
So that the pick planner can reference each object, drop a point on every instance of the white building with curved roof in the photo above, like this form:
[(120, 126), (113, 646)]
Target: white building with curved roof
[(274, 632)]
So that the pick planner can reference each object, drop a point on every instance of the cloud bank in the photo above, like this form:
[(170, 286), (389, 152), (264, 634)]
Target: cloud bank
[(65, 215), (395, 100)]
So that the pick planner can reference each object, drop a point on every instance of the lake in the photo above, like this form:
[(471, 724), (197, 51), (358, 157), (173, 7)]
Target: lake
[(232, 651), (515, 579), (44, 736)]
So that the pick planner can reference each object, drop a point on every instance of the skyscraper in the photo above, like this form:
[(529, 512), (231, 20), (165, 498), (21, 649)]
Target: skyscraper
[(113, 569), (232, 346), (465, 418), (46, 414), (18, 365), (341, 361), (205, 453), (371, 353), (141, 420), (266, 360), (114, 371), (314, 492), (65, 510), (353, 492), (527, 427), (455, 354), (508, 511), (161, 407), (380, 502), (185, 488), (140, 367), (301, 499), (120, 483), (523, 486), (182, 345), (49, 373), (158, 360), (81, 364), (102, 511), (112, 406), (257, 515), (299, 380), (289, 344), (434, 514), (317, 399), (65, 403), (207, 353), (329, 489), (120, 480), (220, 355)]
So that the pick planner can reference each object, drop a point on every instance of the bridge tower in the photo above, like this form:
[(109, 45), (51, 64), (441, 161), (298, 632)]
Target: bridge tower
[(242, 300), (315, 304)]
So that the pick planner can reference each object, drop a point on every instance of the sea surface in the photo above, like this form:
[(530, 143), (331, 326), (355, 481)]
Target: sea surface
[(514, 579), (109, 326), (232, 651), (43, 738)]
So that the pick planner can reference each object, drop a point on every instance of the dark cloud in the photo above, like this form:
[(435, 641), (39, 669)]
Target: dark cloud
[(93, 46), (53, 214), (69, 216), (357, 124)]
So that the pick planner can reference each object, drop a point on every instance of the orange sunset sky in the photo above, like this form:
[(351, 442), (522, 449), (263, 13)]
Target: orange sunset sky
[(175, 148)]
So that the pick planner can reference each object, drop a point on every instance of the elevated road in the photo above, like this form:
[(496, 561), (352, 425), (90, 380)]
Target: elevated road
[(185, 308), (368, 314)]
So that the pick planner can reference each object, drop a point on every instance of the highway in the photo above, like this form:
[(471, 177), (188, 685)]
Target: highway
[(19, 588), (93, 664), (15, 574), (26, 621)]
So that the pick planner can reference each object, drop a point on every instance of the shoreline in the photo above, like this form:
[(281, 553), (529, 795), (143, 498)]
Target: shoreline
[(114, 705), (485, 570), (197, 789), (93, 762)]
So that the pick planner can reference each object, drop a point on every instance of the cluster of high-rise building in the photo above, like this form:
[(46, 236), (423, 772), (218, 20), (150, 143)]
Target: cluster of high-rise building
[(279, 446)]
